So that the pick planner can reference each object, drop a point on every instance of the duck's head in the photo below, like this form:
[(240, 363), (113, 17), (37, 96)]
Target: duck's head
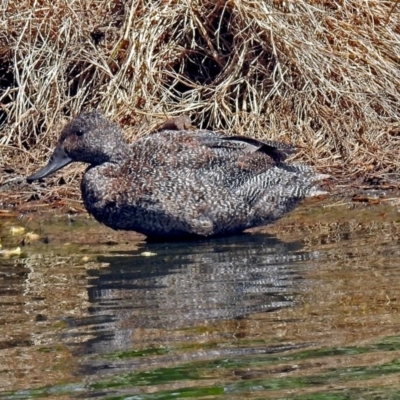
[(88, 138)]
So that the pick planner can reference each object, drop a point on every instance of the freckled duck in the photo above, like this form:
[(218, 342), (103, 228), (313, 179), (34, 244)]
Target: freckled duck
[(179, 183)]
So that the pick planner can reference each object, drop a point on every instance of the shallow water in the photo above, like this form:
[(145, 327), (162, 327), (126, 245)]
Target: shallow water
[(310, 313)]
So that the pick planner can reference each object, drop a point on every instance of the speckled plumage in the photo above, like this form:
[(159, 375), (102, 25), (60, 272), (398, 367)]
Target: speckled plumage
[(180, 183)]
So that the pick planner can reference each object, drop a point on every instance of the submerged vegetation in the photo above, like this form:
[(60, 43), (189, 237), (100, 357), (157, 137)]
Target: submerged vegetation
[(324, 75)]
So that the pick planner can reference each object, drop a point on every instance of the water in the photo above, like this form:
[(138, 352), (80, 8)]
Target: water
[(311, 313)]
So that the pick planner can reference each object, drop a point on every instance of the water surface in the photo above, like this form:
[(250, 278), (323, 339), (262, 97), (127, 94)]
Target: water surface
[(311, 312)]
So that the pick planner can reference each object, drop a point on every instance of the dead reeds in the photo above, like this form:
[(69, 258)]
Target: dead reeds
[(324, 75)]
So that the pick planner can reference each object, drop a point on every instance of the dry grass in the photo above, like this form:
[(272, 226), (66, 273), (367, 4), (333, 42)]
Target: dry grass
[(322, 74)]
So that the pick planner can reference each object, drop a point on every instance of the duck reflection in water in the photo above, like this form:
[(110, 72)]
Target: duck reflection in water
[(188, 285)]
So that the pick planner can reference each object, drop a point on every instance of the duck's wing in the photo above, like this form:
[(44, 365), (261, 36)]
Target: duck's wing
[(208, 150), (176, 131), (278, 151), (242, 145)]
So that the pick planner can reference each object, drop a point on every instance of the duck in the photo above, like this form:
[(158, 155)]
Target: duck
[(179, 183)]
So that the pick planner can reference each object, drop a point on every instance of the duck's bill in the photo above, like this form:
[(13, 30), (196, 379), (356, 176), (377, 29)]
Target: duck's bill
[(58, 160)]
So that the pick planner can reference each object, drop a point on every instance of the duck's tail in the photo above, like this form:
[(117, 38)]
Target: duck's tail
[(315, 189), (279, 190)]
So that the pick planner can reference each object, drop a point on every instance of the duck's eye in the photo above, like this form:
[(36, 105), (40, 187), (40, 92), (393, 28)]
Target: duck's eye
[(79, 132)]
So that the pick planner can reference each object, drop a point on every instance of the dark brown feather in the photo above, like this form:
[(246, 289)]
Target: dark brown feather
[(279, 152)]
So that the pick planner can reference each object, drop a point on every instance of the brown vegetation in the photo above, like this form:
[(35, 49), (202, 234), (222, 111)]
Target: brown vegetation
[(322, 74)]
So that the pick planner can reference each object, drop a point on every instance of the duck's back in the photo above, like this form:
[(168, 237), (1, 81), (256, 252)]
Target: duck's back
[(223, 160)]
